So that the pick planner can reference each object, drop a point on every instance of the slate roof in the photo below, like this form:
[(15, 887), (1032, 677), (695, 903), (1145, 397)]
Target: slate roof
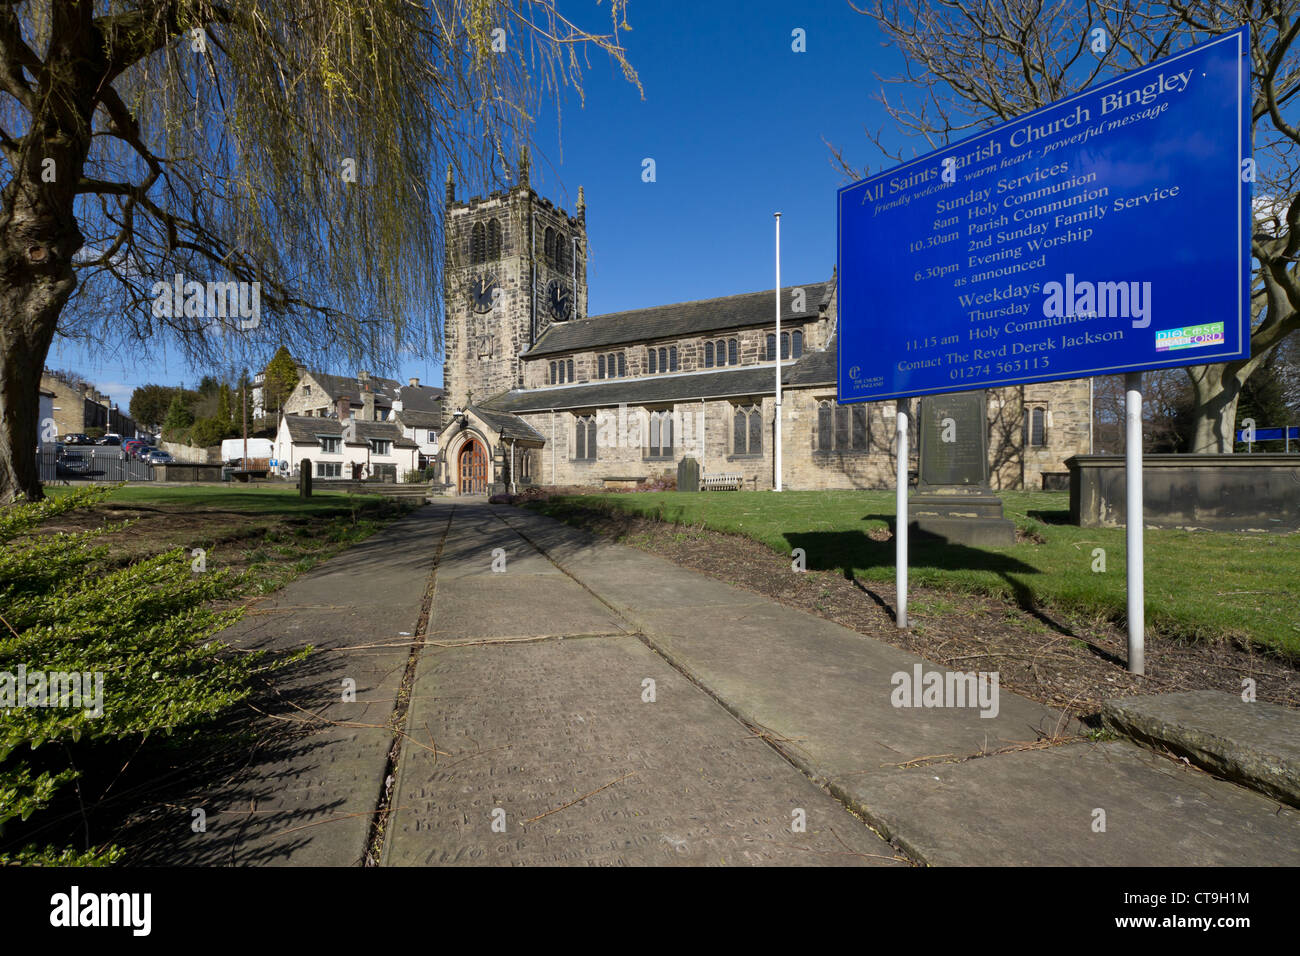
[(683, 318), (308, 428), (813, 368), (385, 389), (509, 426)]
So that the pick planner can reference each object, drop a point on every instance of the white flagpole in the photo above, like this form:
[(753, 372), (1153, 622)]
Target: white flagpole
[(1133, 520), (776, 450)]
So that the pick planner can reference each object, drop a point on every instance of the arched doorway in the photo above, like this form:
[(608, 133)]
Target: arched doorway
[(472, 469)]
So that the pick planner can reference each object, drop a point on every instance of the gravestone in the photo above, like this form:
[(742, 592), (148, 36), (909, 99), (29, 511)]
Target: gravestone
[(953, 500), (688, 475), (304, 478)]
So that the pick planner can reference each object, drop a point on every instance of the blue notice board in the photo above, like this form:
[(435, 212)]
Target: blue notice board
[(1105, 233)]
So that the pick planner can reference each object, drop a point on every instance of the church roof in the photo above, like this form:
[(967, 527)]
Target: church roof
[(814, 368), (509, 426), (682, 318)]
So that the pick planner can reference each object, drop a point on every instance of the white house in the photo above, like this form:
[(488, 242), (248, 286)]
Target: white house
[(350, 449)]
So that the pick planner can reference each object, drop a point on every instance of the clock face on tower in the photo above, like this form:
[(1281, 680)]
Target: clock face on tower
[(483, 292), (559, 300)]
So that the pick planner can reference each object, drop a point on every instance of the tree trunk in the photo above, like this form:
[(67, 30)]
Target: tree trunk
[(36, 279), (1217, 388)]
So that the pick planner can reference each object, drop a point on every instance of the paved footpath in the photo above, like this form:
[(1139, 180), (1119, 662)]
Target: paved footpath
[(525, 720), (593, 704)]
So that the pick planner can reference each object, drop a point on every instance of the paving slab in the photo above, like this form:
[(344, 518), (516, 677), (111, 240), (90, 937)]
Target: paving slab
[(530, 729), (1039, 808), (1255, 743), (309, 790)]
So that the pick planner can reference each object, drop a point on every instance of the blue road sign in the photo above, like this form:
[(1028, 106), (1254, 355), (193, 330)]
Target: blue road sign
[(1105, 233), (1271, 434)]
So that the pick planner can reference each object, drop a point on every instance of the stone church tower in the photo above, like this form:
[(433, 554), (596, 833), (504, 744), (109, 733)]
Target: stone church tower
[(515, 263)]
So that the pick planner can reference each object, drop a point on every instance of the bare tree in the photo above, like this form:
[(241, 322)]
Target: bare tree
[(288, 152), (977, 63)]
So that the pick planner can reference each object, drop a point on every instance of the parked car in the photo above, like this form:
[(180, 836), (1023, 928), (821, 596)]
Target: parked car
[(133, 446), (156, 456), (76, 438), (110, 440)]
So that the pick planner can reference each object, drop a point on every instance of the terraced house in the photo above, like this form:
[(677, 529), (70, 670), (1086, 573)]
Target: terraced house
[(540, 392)]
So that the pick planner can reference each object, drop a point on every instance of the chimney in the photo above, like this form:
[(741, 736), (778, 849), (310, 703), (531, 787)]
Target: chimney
[(415, 383), (367, 397), (343, 407)]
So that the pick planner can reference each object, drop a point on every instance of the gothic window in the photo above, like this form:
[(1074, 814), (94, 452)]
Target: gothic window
[(493, 239), (708, 355), (548, 246), (600, 366), (859, 438), (747, 430), (824, 426), (653, 366), (785, 345), (796, 343), (1036, 426), (477, 244), (661, 435), (672, 358), (571, 378), (731, 352), (841, 426), (584, 438), (771, 346), (552, 373), (663, 360), (622, 365)]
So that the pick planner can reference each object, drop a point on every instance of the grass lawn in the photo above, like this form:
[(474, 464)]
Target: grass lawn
[(1199, 585), (250, 499)]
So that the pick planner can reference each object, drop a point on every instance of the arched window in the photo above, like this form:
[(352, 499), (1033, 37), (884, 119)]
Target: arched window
[(584, 438), (548, 246), (552, 373), (663, 360), (672, 358), (796, 343), (824, 412), (747, 430), (653, 366), (600, 366), (493, 240), (708, 355), (661, 435), (771, 346), (731, 352), (561, 253), (1036, 426), (785, 345), (571, 378), (622, 365), (477, 244), (720, 349), (561, 372)]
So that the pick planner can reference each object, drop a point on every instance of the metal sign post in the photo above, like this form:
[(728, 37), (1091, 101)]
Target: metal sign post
[(900, 518), (1134, 522)]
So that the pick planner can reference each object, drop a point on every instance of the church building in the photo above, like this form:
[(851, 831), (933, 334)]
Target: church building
[(539, 392)]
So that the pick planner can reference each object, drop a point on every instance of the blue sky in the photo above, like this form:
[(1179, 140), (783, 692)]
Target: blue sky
[(735, 122)]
